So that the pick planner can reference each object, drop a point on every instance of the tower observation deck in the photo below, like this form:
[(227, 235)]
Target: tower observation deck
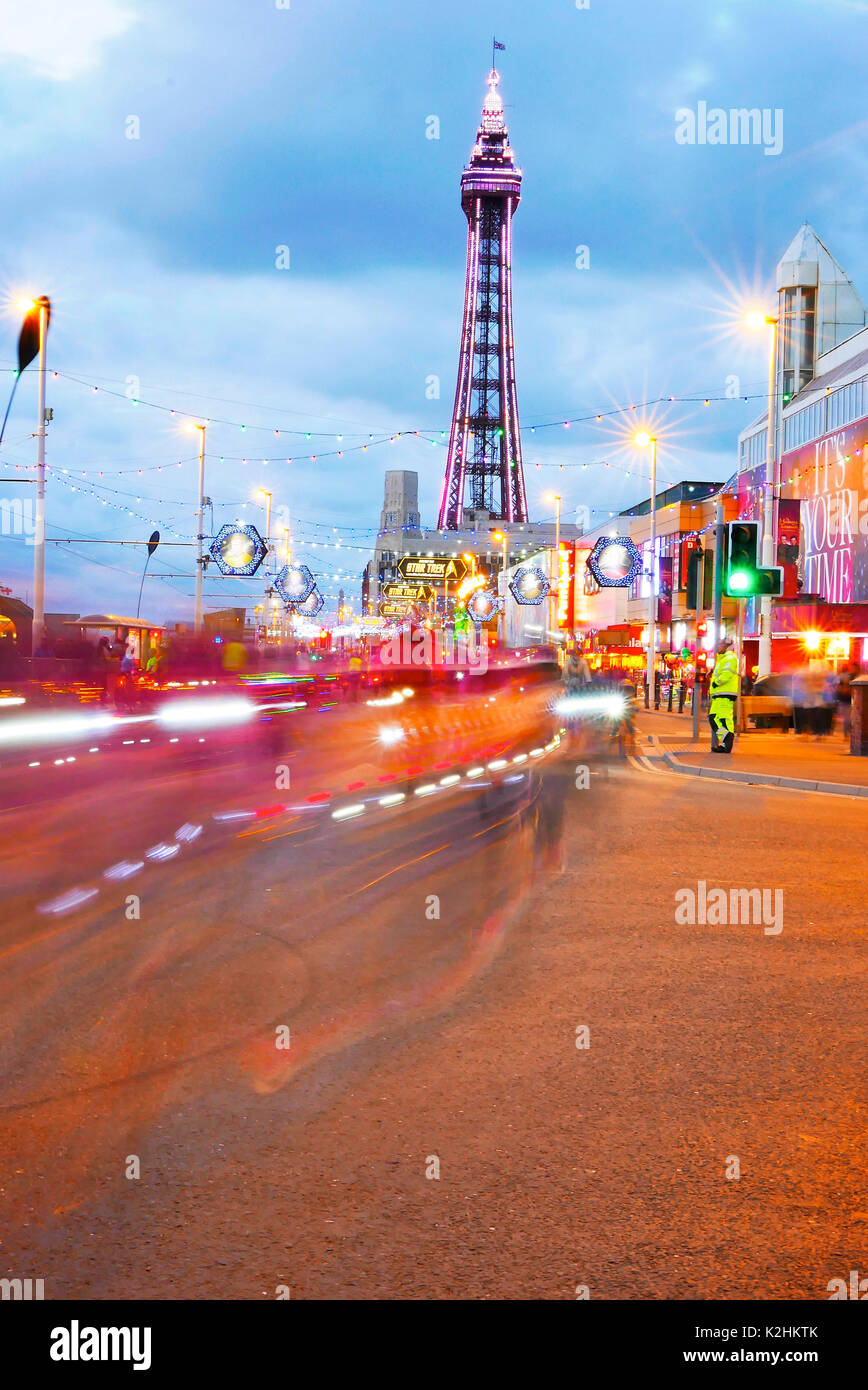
[(484, 468)]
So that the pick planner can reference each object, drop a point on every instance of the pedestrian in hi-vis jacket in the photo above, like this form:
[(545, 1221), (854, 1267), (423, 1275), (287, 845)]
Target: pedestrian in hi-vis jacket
[(722, 695)]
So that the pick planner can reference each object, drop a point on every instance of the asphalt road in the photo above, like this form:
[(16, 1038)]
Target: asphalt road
[(432, 961)]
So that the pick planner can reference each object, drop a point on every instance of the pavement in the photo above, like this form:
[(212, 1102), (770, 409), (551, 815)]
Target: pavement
[(439, 1124), (796, 761)]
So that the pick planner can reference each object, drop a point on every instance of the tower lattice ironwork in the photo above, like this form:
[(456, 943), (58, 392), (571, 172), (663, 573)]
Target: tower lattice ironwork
[(484, 467)]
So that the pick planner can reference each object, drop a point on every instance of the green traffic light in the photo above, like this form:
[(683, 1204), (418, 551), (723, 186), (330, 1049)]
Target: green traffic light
[(739, 581)]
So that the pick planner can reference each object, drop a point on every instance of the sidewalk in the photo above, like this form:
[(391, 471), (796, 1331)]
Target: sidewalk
[(770, 758)]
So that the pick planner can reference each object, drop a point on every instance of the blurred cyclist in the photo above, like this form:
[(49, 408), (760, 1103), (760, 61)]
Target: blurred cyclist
[(576, 673)]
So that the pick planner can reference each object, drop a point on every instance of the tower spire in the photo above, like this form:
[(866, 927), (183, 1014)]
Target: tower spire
[(484, 443)]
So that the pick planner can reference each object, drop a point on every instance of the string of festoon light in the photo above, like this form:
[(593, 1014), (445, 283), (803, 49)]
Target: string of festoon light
[(79, 481), (370, 438)]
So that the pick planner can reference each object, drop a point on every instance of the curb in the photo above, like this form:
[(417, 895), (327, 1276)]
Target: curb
[(764, 779)]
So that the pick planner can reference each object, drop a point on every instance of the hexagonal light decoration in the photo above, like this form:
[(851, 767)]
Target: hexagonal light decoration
[(295, 583), (311, 605), (614, 562), (238, 550), (529, 586), (481, 606)]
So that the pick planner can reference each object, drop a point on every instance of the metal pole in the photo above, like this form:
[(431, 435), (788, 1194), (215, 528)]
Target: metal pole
[(39, 516), (738, 648), (142, 585), (501, 617), (652, 590), (764, 659), (554, 578), (697, 684), (200, 523), (718, 573)]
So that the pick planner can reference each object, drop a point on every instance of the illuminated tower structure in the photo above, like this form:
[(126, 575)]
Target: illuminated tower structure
[(484, 468)]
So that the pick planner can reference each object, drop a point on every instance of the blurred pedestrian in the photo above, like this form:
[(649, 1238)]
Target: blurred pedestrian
[(809, 703), (844, 694), (576, 673), (234, 658), (126, 689), (106, 669)]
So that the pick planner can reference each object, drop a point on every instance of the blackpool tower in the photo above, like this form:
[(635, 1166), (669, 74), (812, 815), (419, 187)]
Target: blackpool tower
[(484, 469)]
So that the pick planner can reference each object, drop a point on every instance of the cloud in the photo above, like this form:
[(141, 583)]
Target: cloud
[(59, 40)]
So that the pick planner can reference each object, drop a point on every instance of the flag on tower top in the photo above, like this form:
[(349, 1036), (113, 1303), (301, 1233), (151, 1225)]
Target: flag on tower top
[(499, 45)]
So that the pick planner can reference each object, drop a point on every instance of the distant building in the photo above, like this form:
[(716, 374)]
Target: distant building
[(16, 624), (612, 623), (227, 623), (400, 534), (821, 436)]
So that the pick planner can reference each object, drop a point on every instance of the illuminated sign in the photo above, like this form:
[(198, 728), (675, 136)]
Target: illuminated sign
[(615, 562), (529, 585), (295, 583), (238, 550), (413, 593), (432, 569), (396, 608), (311, 605), (566, 585), (481, 607)]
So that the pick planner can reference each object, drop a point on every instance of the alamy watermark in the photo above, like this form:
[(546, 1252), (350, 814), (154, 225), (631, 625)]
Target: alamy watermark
[(22, 1290), (17, 518), (715, 907), (435, 648), (737, 126)]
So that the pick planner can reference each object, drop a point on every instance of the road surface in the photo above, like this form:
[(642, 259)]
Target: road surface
[(440, 1124)]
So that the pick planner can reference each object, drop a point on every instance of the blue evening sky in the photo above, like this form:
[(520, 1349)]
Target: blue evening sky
[(304, 127)]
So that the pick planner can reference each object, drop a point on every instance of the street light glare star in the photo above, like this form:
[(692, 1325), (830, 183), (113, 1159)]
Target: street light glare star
[(643, 439)]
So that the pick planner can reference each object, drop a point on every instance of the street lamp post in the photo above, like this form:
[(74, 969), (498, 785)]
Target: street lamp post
[(287, 559), (269, 623), (200, 532), (39, 512), (552, 602), (764, 656), (263, 492), (645, 441), (501, 617)]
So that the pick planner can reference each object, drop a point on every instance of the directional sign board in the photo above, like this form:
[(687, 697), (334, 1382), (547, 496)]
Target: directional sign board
[(411, 593), (431, 569), (396, 608)]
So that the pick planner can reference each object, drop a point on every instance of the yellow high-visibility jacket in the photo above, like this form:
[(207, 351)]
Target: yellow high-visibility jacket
[(724, 677)]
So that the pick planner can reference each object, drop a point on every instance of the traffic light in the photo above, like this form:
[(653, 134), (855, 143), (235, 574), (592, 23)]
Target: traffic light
[(694, 576), (745, 577)]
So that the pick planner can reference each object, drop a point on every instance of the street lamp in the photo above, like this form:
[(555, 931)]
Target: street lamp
[(552, 602), (758, 320), (28, 346), (263, 492), (643, 440), (501, 617), (200, 527)]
